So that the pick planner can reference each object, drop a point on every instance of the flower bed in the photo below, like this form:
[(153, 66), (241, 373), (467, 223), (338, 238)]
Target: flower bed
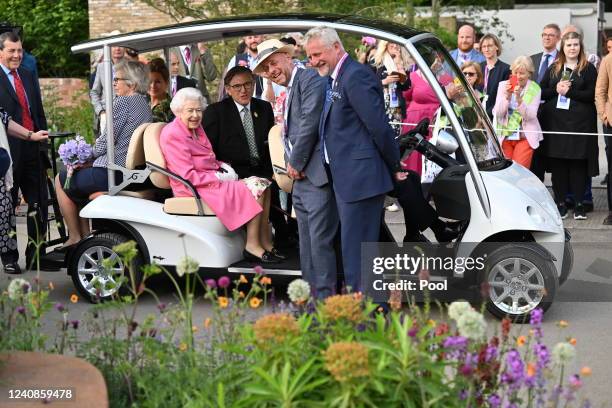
[(256, 353)]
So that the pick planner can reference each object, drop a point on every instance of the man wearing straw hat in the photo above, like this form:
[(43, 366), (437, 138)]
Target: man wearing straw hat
[(313, 199)]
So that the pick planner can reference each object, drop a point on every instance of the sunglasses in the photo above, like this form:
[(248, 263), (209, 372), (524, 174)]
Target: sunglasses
[(469, 74)]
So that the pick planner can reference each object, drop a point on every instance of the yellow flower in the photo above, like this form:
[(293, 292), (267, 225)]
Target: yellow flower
[(183, 346), (563, 324), (347, 361), (343, 307), (243, 279), (266, 281), (586, 371), (572, 341), (194, 328), (223, 302), (274, 329), (74, 298), (254, 302), (531, 369), (431, 323), (521, 341)]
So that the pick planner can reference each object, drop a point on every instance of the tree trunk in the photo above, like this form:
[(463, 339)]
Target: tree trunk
[(435, 13), (410, 13)]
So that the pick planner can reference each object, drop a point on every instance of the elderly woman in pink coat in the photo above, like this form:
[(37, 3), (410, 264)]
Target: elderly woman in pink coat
[(189, 154), (516, 111)]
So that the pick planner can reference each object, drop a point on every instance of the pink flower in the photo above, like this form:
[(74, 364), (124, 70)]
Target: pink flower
[(223, 282), (368, 41)]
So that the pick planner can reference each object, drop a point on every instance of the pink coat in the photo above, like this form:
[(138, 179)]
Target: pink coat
[(529, 113), (194, 160)]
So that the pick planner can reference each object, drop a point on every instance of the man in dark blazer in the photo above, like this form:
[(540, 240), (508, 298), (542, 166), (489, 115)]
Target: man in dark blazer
[(313, 197), (177, 81), (29, 160), (224, 123), (358, 145)]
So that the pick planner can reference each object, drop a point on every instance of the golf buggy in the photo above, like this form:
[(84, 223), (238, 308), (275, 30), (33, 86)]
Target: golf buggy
[(496, 200)]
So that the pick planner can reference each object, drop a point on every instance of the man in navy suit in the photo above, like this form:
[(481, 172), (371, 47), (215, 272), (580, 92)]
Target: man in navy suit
[(20, 97), (359, 150)]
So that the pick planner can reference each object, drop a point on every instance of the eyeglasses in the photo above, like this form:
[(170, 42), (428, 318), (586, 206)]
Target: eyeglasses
[(117, 79), (246, 86), (469, 74)]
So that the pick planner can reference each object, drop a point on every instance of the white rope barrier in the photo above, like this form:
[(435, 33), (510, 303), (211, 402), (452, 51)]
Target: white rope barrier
[(523, 131)]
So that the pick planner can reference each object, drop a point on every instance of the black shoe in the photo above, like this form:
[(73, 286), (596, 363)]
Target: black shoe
[(569, 203), (266, 258), (608, 219), (448, 233), (588, 206), (579, 213), (12, 268), (562, 210), (276, 253), (46, 264)]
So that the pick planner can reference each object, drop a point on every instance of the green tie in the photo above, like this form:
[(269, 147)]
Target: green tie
[(247, 122)]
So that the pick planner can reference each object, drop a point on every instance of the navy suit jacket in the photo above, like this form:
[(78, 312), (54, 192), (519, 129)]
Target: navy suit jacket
[(10, 103), (500, 72), (361, 146)]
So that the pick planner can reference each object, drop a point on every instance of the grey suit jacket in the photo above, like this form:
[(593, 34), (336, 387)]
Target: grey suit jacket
[(305, 104), (202, 68), (96, 94)]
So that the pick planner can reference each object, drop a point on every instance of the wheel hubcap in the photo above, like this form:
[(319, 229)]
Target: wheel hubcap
[(94, 276), (516, 286)]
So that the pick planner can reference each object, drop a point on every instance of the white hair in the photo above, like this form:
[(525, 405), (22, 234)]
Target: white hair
[(327, 35), (183, 95), (136, 73)]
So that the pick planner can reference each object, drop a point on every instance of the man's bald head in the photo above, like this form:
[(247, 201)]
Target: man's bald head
[(466, 36)]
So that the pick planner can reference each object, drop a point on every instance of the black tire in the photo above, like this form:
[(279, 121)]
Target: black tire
[(568, 262), (537, 290), (86, 256)]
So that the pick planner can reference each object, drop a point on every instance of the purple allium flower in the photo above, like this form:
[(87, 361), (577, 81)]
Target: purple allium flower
[(494, 401), (463, 394), (413, 331), (223, 282), (211, 283), (258, 270), (575, 381), (161, 307), (75, 324), (21, 310), (466, 370), (60, 307), (456, 342)]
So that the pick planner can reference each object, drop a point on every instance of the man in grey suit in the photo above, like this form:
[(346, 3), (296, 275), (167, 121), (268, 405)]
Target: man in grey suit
[(96, 94), (313, 198)]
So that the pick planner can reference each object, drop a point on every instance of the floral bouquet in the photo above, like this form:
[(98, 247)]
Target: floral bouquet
[(74, 152), (365, 43)]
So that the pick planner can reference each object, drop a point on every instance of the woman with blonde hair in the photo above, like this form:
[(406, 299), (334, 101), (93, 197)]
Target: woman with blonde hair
[(391, 61), (568, 91), (516, 111)]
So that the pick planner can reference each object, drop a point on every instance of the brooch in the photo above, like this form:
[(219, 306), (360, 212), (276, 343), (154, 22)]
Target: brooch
[(255, 114)]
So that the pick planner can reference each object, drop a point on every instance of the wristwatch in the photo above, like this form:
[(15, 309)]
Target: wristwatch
[(29, 135)]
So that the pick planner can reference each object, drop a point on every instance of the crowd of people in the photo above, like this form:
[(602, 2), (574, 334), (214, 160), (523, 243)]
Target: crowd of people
[(340, 152)]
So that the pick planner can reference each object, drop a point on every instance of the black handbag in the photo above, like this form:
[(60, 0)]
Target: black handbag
[(5, 161)]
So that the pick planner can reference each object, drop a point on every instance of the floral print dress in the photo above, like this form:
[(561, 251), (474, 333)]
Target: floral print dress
[(8, 241)]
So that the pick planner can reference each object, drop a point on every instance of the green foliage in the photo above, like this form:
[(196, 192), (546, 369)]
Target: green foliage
[(49, 29), (77, 119)]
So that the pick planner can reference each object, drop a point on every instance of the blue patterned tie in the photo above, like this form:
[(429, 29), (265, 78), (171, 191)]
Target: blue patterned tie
[(328, 101), (543, 68)]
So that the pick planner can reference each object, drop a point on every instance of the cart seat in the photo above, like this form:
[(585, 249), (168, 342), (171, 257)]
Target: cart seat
[(135, 159), (153, 154)]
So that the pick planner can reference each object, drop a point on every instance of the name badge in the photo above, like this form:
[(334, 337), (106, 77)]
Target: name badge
[(563, 102)]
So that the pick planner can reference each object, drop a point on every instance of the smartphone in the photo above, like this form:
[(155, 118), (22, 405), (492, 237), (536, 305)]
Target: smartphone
[(402, 77), (513, 82)]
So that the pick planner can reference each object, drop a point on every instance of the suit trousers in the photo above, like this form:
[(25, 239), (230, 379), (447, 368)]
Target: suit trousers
[(28, 176), (317, 219)]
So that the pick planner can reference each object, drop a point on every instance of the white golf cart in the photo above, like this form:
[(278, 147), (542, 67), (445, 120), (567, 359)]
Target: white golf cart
[(497, 200)]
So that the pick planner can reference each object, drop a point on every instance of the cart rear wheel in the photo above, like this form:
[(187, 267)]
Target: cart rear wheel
[(97, 270)]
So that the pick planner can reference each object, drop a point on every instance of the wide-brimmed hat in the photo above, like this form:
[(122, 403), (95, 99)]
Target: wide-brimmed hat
[(269, 47)]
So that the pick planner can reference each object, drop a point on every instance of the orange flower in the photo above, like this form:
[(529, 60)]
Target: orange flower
[(74, 298), (572, 341), (586, 371), (254, 302), (243, 279), (241, 294), (207, 323), (344, 307), (521, 341), (347, 361), (274, 329), (223, 302), (266, 281), (563, 324), (531, 370)]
